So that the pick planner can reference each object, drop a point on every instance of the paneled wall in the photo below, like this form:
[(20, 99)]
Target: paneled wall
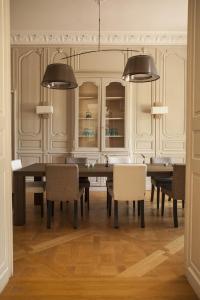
[(50, 140)]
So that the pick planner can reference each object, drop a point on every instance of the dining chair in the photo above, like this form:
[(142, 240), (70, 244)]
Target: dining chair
[(129, 181), (62, 184), (157, 181), (33, 186), (83, 181), (115, 160), (175, 189)]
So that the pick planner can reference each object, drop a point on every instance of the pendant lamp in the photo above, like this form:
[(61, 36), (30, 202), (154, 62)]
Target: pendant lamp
[(59, 76), (139, 68)]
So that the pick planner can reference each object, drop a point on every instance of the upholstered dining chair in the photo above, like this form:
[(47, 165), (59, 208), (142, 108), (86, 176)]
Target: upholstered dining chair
[(158, 181), (115, 160), (175, 189), (83, 181), (129, 182), (62, 184), (33, 186)]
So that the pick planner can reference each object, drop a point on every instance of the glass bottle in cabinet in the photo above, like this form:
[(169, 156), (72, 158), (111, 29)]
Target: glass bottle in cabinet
[(88, 115), (114, 115)]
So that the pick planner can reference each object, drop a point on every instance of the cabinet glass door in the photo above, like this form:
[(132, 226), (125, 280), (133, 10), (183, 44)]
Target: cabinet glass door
[(88, 116), (115, 115)]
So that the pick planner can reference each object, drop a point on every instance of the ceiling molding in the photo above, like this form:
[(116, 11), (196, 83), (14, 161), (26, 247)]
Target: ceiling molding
[(91, 38)]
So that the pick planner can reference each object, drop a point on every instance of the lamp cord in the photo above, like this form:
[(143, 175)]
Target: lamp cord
[(99, 35)]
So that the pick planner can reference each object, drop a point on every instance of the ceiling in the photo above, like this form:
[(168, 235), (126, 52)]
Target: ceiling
[(82, 15)]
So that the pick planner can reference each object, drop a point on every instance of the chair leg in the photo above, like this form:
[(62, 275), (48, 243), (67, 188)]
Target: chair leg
[(133, 207), (138, 205), (82, 206), (152, 192), (142, 213), (158, 197), (116, 223), (87, 197), (183, 204), (52, 209), (75, 221), (61, 206), (109, 205), (175, 213), (163, 204), (49, 213), (42, 208)]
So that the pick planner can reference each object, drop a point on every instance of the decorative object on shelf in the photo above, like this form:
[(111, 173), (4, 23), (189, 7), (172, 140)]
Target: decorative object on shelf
[(107, 160), (139, 68), (44, 110), (88, 114), (88, 132)]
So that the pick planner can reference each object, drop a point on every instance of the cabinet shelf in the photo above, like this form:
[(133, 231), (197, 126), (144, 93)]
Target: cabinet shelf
[(114, 119), (85, 136), (115, 98), (87, 98), (114, 136), (88, 119)]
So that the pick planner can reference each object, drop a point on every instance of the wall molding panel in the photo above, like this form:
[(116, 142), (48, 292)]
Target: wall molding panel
[(91, 38)]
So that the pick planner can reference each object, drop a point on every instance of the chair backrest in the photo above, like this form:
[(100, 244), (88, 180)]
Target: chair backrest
[(62, 182), (129, 182), (16, 164), (119, 159), (76, 160), (178, 181), (160, 160)]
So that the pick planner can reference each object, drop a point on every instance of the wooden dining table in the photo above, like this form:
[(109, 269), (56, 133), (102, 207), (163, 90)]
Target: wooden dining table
[(38, 170)]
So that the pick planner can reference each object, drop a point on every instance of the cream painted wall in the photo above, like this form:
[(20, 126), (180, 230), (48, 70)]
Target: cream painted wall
[(82, 15)]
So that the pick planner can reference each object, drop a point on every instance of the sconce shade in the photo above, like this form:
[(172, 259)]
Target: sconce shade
[(140, 68), (59, 76)]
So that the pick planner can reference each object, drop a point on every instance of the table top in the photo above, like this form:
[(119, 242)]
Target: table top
[(99, 170)]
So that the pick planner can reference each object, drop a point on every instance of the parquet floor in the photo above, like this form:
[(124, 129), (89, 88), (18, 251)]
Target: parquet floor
[(96, 261)]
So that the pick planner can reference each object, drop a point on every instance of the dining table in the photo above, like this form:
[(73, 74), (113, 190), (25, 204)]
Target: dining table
[(38, 171)]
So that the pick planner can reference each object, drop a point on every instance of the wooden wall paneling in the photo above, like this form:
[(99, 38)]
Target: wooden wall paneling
[(143, 130), (173, 95), (60, 122), (28, 93)]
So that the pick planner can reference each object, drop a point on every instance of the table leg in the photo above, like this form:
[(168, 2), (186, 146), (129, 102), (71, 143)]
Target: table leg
[(38, 197), (19, 204)]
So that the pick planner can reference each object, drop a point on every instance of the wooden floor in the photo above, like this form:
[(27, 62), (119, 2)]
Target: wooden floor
[(96, 261)]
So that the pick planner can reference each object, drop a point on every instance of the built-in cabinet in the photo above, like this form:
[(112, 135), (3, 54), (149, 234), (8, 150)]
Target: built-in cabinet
[(104, 115), (101, 115)]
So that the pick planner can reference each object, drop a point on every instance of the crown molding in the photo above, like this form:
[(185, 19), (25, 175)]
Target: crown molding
[(91, 38)]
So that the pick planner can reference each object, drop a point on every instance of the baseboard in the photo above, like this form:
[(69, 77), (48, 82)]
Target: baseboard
[(194, 281), (4, 278)]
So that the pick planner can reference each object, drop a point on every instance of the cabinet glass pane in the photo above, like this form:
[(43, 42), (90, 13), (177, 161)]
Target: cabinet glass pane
[(88, 115), (115, 116)]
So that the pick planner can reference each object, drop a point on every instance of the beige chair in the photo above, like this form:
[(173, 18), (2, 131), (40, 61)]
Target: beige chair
[(62, 184), (158, 181), (128, 185), (83, 181), (175, 190), (33, 186), (113, 160)]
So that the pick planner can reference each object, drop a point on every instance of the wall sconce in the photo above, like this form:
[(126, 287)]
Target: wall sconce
[(158, 111), (44, 110)]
